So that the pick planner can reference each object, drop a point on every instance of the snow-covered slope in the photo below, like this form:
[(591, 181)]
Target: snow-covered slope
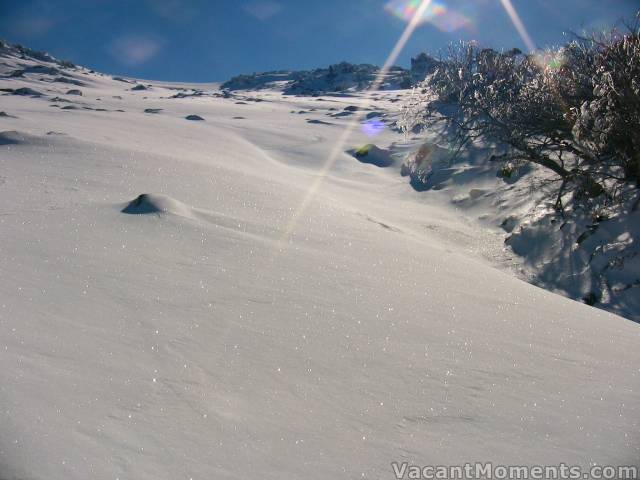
[(589, 253), (167, 309)]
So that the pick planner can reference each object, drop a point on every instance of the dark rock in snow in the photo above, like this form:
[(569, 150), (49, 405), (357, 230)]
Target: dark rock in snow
[(41, 69), (319, 122), (26, 91), (68, 80), (151, 203), (194, 117), (374, 155)]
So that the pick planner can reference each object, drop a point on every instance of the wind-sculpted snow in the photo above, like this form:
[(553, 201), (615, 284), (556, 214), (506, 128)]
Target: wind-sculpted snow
[(245, 320), (14, 137)]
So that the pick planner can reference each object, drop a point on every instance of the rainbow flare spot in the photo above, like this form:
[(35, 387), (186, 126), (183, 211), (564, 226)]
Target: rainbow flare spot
[(437, 14), (373, 127), (549, 60)]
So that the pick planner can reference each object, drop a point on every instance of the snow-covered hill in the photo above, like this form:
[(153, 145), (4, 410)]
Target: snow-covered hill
[(339, 78), (169, 310)]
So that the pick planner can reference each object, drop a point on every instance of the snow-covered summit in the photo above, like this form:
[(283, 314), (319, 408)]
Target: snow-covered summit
[(339, 78)]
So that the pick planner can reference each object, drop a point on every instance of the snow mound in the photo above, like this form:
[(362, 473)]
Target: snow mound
[(429, 167), (14, 137), (153, 203)]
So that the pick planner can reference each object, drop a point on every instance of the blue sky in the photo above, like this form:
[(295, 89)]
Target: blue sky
[(200, 40)]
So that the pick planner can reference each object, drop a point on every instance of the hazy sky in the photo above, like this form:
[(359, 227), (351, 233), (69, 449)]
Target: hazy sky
[(200, 40)]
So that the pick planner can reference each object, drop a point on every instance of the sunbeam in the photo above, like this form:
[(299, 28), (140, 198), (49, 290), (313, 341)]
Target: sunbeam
[(415, 21), (517, 23)]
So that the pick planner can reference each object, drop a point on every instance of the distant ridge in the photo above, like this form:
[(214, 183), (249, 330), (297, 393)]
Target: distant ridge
[(340, 77)]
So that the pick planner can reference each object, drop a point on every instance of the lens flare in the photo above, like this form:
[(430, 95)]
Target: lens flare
[(517, 23), (438, 14), (414, 22), (373, 127), (549, 60)]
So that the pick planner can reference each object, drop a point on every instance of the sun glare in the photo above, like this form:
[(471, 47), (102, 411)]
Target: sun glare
[(437, 14), (517, 23), (416, 13), (417, 10)]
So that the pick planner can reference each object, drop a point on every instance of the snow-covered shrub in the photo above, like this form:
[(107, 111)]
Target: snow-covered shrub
[(609, 122), (573, 110)]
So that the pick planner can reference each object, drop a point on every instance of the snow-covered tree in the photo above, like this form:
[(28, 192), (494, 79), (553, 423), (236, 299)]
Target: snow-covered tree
[(574, 110)]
